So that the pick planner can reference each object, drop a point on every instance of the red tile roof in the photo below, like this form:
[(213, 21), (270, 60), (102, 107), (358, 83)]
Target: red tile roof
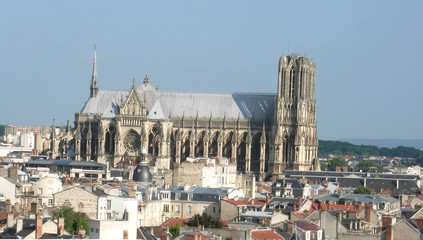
[(174, 222), (304, 225), (336, 206), (266, 235)]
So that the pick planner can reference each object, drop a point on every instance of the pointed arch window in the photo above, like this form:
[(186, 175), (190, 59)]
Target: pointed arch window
[(291, 87)]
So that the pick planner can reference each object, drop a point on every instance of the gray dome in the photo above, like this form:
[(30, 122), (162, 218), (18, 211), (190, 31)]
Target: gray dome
[(142, 173)]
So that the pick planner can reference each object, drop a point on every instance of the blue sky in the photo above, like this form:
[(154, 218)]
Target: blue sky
[(368, 56)]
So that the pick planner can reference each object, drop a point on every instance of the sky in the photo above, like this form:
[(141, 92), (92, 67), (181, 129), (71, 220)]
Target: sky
[(369, 77)]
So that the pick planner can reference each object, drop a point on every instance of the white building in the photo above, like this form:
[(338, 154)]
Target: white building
[(27, 140), (45, 187), (123, 227)]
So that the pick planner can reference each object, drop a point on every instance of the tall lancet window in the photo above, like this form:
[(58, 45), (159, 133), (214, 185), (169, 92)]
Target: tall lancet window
[(291, 87)]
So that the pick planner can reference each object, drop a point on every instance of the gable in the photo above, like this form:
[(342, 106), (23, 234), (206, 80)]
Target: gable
[(75, 193), (132, 104)]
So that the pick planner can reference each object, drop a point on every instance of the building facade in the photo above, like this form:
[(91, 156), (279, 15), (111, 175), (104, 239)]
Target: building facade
[(262, 133)]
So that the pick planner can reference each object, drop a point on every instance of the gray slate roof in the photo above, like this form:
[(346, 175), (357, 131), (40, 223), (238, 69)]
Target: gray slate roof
[(164, 104)]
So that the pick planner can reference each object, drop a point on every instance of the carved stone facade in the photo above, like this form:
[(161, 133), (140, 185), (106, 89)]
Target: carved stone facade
[(263, 133)]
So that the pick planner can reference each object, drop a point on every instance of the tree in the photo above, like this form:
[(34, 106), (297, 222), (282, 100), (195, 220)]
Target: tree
[(174, 230), (80, 222), (72, 220), (335, 162), (365, 165), (204, 220), (363, 190), (323, 166)]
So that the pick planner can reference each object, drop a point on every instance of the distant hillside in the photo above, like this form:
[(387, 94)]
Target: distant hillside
[(346, 148), (389, 143)]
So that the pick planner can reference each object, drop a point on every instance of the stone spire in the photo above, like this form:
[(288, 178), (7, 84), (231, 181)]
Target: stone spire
[(89, 133), (68, 129), (263, 135), (53, 130), (94, 80)]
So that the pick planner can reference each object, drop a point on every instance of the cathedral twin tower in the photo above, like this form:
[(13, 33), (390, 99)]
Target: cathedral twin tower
[(261, 133)]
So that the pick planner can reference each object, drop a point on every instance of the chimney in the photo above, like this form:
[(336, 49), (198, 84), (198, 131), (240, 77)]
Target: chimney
[(72, 180), (132, 190), (300, 202), (419, 223), (338, 169), (125, 234), (340, 193), (8, 206), (267, 200), (328, 202), (81, 232), (19, 225), (39, 226), (389, 234), (66, 180), (60, 226), (339, 216), (294, 208), (10, 220), (13, 173), (345, 169), (387, 220), (368, 211)]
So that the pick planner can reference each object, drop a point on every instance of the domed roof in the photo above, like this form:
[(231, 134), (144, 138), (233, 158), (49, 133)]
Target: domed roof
[(142, 173)]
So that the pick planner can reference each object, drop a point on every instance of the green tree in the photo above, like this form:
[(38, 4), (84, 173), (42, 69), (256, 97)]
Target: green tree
[(73, 220), (68, 214), (365, 165), (204, 220), (363, 190), (335, 162), (323, 166), (80, 222), (174, 230)]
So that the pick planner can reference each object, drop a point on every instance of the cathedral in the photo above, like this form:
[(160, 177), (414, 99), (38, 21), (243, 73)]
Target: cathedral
[(262, 133)]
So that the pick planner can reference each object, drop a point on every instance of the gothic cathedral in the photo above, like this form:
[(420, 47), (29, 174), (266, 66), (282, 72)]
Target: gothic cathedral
[(261, 133)]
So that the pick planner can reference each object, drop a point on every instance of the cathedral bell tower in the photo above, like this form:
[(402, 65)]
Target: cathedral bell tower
[(294, 143)]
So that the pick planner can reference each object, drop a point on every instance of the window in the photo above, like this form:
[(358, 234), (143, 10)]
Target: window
[(189, 209), (166, 208), (204, 209), (109, 204), (307, 235), (50, 191), (92, 229), (40, 191), (40, 202), (50, 202), (319, 235), (109, 215), (96, 230), (214, 209), (177, 208)]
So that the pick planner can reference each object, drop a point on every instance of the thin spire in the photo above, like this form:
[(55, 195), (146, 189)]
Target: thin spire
[(94, 80)]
